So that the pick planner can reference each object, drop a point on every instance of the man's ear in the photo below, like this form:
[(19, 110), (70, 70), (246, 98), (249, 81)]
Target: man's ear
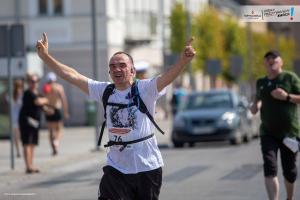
[(132, 70)]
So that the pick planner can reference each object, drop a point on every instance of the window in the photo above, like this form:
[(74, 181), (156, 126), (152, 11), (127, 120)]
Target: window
[(43, 7), (57, 7), (50, 7)]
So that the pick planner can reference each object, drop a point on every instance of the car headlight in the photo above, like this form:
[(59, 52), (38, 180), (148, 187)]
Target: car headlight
[(179, 122), (227, 119)]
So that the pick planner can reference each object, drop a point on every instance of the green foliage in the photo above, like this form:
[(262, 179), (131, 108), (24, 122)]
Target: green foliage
[(220, 37), (235, 45), (209, 41), (178, 28), (261, 43), (287, 50)]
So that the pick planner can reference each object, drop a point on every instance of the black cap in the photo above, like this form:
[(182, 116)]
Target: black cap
[(272, 54)]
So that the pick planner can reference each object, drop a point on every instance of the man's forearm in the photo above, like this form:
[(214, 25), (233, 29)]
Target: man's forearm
[(255, 106), (63, 71), (294, 98), (67, 73), (170, 75)]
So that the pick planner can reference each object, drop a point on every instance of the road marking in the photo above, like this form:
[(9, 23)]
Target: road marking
[(245, 172), (184, 173)]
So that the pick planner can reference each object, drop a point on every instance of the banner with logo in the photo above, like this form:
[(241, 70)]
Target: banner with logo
[(270, 13)]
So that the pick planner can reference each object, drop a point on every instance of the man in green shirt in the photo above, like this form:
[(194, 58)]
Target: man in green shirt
[(277, 96)]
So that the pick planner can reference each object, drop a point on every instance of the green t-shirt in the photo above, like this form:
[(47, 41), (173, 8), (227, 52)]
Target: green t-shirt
[(278, 118)]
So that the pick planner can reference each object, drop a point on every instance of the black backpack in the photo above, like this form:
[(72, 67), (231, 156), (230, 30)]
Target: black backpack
[(136, 101)]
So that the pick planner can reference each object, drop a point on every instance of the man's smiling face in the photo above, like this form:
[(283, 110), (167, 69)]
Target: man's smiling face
[(121, 70)]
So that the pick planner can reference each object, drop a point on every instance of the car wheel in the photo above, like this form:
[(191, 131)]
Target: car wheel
[(178, 144), (191, 144), (247, 138)]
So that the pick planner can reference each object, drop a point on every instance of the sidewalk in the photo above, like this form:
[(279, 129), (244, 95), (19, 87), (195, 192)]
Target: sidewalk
[(77, 148)]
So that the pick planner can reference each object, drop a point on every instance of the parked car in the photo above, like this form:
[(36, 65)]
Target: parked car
[(214, 115)]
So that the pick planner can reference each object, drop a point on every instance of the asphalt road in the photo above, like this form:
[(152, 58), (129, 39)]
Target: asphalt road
[(212, 171), (208, 171)]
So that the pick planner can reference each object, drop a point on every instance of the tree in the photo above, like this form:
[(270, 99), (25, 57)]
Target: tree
[(234, 45), (207, 28), (178, 27), (262, 42), (287, 49)]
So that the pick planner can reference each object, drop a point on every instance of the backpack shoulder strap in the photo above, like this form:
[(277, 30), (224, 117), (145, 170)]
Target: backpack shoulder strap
[(139, 103), (106, 94)]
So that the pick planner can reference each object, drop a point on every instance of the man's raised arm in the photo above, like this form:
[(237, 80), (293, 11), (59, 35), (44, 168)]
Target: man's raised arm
[(171, 74), (65, 72)]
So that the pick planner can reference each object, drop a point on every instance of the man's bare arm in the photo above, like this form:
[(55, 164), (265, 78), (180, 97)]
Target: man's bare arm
[(40, 101), (64, 102), (255, 106), (294, 98), (171, 74), (65, 72), (281, 94)]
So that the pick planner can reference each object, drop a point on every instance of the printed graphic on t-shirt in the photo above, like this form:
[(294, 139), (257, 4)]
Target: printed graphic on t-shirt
[(123, 120)]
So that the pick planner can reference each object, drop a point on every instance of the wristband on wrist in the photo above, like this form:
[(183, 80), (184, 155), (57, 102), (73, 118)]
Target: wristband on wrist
[(288, 98)]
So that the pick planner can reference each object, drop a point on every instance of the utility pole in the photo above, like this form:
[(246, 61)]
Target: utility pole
[(188, 36), (161, 19), (162, 31), (10, 83), (250, 56), (10, 94), (95, 65)]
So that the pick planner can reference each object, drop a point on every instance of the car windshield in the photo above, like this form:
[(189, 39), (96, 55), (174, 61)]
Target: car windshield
[(207, 100)]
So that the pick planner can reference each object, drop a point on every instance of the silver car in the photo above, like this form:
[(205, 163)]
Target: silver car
[(214, 115)]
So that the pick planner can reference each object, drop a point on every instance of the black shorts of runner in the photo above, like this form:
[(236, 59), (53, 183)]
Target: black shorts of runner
[(29, 135), (270, 147), (115, 185), (55, 117)]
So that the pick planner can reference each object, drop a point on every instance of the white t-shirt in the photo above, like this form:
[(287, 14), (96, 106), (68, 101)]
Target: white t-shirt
[(129, 124)]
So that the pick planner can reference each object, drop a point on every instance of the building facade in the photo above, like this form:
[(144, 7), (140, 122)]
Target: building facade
[(132, 25)]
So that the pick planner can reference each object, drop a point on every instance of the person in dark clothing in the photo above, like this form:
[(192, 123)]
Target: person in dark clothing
[(277, 96), (178, 93), (29, 121)]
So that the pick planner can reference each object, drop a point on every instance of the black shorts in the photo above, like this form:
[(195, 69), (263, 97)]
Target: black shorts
[(29, 134), (115, 185), (270, 147), (55, 117)]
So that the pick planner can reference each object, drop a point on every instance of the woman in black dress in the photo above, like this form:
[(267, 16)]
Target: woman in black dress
[(29, 121)]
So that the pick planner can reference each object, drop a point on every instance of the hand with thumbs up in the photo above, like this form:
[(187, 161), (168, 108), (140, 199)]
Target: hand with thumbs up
[(173, 72), (42, 46), (188, 53)]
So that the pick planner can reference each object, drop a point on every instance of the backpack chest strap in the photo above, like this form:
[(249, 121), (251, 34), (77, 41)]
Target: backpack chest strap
[(124, 144), (120, 105)]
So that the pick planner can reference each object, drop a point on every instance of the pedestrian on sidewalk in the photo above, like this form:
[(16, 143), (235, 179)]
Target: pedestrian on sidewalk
[(29, 121), (134, 162), (57, 100), (16, 106), (177, 96), (277, 96)]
